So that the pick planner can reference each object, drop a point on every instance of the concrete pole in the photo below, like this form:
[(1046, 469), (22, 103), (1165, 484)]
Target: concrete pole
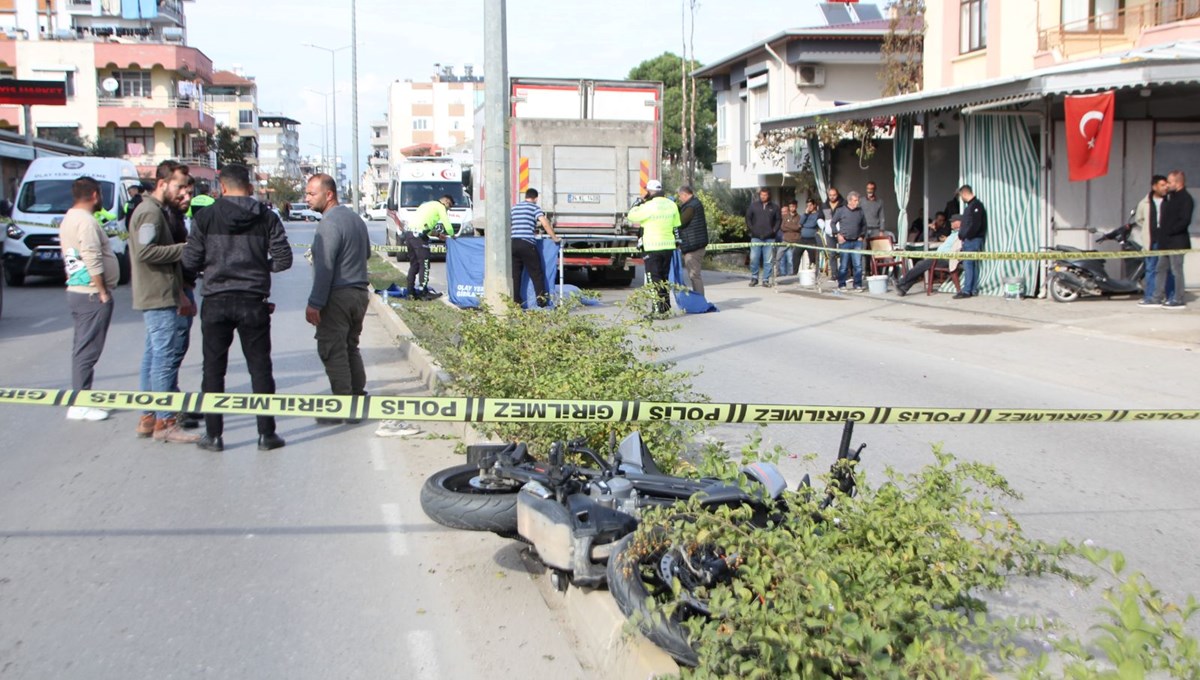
[(28, 124), (333, 89), (353, 174), (497, 279)]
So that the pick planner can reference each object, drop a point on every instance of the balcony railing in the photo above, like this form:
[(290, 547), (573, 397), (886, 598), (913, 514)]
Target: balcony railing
[(230, 98), (148, 159), (156, 103), (1110, 30)]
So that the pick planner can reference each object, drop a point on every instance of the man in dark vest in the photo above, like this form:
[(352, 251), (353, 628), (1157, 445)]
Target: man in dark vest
[(693, 235)]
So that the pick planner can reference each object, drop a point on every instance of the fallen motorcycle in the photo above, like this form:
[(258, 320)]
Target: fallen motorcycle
[(574, 513), (658, 583)]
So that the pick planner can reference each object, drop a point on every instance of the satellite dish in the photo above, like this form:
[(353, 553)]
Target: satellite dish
[(110, 85)]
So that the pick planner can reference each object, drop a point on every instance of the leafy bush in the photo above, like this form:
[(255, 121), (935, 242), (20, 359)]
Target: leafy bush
[(564, 353), (723, 227)]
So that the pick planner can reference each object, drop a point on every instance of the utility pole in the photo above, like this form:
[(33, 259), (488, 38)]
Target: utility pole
[(354, 179), (497, 278)]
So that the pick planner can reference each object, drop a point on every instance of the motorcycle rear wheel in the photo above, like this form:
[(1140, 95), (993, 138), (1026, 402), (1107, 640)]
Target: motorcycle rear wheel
[(455, 498), (628, 569), (1061, 291)]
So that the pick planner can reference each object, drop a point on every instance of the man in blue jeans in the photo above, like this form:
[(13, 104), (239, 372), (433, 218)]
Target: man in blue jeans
[(763, 221), (972, 234), (850, 225), (158, 293)]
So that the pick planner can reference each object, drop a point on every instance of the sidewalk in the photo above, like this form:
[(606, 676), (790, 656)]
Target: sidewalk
[(1120, 316)]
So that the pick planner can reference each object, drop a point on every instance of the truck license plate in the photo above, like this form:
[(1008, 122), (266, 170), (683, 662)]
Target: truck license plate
[(47, 255), (583, 198)]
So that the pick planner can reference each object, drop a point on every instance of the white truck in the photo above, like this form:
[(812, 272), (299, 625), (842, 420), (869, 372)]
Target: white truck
[(418, 179), (42, 201), (588, 147)]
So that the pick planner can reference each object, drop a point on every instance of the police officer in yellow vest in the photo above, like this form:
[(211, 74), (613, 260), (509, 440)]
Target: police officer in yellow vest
[(659, 219)]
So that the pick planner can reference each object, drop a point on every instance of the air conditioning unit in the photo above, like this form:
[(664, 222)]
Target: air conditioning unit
[(808, 75), (172, 34)]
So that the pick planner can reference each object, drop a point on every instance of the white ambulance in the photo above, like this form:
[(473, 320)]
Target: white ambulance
[(45, 197), (425, 178)]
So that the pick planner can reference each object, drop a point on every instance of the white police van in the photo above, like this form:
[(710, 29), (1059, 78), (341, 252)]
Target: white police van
[(45, 197)]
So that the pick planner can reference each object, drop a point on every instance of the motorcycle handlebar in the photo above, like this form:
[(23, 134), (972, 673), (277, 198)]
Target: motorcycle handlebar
[(847, 432)]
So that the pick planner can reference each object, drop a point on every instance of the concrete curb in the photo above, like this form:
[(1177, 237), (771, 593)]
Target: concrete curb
[(598, 623)]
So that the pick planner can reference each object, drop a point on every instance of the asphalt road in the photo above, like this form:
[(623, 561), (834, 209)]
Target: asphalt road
[(123, 558)]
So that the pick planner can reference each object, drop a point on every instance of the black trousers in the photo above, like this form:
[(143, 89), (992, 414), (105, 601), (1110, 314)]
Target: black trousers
[(658, 271), (248, 315), (525, 257), (418, 260)]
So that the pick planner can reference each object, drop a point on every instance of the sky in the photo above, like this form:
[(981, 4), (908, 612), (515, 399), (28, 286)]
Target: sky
[(403, 39)]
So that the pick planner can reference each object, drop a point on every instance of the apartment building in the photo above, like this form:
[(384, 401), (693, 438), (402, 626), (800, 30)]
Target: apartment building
[(378, 175), (233, 98), (440, 112), (279, 146), (132, 81), (791, 72), (991, 115)]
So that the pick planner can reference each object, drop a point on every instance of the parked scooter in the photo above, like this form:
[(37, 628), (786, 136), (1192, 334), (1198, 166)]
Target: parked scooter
[(1071, 279)]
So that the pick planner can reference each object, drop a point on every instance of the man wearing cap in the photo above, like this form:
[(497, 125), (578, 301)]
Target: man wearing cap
[(659, 219), (951, 244)]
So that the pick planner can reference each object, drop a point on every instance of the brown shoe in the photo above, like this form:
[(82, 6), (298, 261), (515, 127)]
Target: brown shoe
[(168, 430), (145, 426)]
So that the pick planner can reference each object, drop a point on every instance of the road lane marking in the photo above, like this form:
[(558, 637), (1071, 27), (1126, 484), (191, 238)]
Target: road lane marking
[(422, 654), (377, 460), (395, 529)]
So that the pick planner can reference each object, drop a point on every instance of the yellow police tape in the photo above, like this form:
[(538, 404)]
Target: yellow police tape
[(1047, 255), (488, 410)]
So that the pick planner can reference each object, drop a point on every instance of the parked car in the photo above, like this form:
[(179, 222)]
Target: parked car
[(376, 213), (300, 212)]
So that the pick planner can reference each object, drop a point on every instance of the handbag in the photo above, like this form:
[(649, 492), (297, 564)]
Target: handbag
[(77, 271)]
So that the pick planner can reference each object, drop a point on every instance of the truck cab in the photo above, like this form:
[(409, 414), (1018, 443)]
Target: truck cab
[(32, 247), (420, 179)]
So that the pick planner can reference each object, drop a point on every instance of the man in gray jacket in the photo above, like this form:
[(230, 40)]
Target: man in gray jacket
[(338, 302), (236, 243), (850, 225)]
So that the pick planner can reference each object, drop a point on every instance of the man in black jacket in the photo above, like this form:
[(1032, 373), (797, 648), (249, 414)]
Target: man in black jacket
[(237, 244), (763, 220), (972, 234), (1172, 234), (693, 235)]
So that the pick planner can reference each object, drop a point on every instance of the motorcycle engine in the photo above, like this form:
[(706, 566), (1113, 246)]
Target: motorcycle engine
[(615, 494)]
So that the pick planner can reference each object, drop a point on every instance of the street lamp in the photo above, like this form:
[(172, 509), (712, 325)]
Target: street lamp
[(324, 138), (333, 87)]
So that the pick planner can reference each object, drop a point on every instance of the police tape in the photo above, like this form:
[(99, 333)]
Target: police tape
[(490, 410), (1042, 256)]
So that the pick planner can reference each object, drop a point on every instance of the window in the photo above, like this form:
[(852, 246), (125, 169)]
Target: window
[(1092, 15), (245, 118), (53, 196), (420, 123), (972, 25), (133, 83), (135, 141), (722, 122), (762, 104)]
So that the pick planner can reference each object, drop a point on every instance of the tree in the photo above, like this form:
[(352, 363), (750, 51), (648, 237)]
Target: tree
[(105, 147), (229, 147), (903, 47), (283, 190), (668, 68)]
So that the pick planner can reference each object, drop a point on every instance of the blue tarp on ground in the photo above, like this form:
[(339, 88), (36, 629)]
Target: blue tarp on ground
[(688, 301), (464, 272)]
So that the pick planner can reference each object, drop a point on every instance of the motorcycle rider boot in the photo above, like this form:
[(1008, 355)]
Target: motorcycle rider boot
[(145, 426), (167, 430)]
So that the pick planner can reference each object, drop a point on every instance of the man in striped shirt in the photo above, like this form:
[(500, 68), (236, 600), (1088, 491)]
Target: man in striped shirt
[(525, 218)]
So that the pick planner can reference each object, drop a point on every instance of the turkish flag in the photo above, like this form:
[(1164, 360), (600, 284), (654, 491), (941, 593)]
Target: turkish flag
[(1089, 129)]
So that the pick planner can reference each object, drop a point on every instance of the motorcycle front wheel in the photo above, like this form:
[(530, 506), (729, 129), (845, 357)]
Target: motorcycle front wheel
[(1061, 291), (460, 498), (633, 581)]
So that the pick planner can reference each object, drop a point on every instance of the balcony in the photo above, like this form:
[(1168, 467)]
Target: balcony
[(1155, 22), (171, 112), (189, 62)]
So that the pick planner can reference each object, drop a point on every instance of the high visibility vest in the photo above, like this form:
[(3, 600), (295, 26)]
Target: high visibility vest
[(104, 216), (200, 202), (659, 218), (428, 216)]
